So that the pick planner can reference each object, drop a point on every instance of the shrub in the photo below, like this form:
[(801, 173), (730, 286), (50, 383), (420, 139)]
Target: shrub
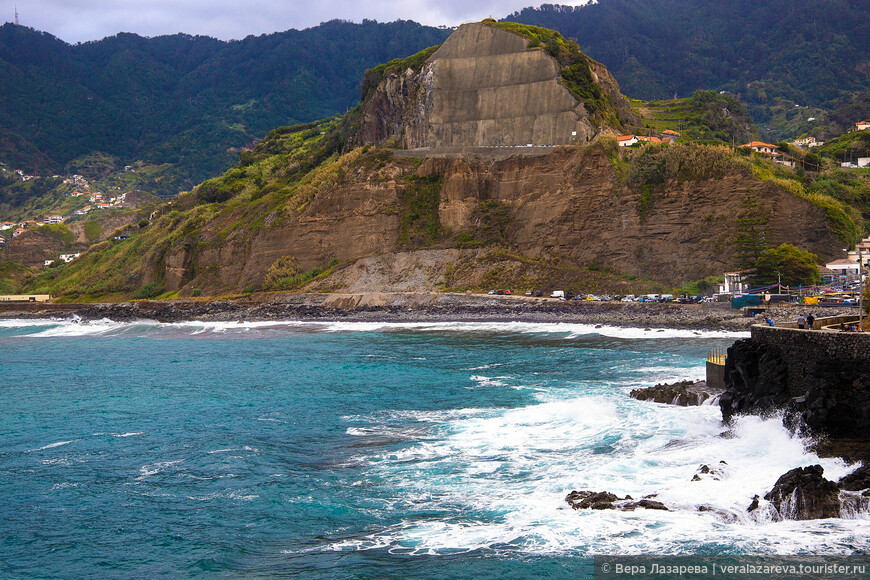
[(195, 292), (149, 290)]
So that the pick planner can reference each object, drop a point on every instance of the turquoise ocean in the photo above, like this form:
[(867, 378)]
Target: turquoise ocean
[(366, 450)]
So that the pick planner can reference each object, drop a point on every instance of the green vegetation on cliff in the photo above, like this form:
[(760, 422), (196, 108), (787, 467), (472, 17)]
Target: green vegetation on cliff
[(706, 116), (774, 55), (845, 199)]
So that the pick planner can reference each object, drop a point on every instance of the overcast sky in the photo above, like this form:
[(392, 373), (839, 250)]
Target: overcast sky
[(83, 20)]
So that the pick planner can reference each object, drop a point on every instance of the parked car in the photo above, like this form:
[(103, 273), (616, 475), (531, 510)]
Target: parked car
[(629, 298), (491, 292), (560, 294)]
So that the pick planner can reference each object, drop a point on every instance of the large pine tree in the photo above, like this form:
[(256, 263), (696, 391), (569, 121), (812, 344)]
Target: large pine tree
[(751, 240)]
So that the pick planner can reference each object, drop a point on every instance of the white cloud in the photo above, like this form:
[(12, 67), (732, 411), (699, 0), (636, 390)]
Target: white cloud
[(83, 20)]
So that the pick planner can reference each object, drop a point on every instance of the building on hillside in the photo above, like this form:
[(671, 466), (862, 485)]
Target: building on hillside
[(806, 142), (761, 147), (770, 152), (735, 282), (860, 126), (6, 226), (627, 140), (671, 133), (864, 162), (18, 232), (83, 210), (844, 267), (649, 139), (48, 263), (54, 219), (67, 258)]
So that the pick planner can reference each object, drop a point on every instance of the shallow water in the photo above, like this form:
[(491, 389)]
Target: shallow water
[(342, 450)]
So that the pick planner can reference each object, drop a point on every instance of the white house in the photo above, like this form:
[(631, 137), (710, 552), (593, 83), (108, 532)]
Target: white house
[(627, 140), (735, 282), (843, 267), (53, 219), (761, 147), (806, 142), (69, 257)]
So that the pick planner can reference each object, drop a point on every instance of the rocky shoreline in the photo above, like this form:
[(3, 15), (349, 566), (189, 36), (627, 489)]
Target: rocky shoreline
[(406, 307)]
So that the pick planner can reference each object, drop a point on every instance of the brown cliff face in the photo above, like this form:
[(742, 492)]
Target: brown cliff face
[(570, 204)]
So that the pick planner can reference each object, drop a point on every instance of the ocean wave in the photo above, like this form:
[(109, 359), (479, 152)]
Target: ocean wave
[(503, 477)]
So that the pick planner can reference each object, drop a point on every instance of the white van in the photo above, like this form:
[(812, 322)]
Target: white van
[(560, 294), (629, 298), (650, 297)]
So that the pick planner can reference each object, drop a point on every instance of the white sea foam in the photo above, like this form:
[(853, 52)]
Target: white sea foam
[(508, 471), (74, 328), (57, 444), (158, 467)]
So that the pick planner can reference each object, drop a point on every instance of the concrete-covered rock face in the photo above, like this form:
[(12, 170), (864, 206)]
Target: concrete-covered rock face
[(491, 90), (484, 87)]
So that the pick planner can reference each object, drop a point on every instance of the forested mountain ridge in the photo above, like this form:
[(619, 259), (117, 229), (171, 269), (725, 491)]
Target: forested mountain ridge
[(774, 54), (182, 99), (186, 104)]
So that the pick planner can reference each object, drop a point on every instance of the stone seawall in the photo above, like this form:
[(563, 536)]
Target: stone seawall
[(821, 379), (804, 351)]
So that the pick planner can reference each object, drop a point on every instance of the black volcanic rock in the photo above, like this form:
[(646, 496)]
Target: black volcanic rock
[(682, 393), (757, 380), (804, 494), (603, 500), (600, 500), (857, 480)]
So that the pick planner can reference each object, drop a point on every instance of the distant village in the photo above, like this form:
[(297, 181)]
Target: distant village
[(81, 189), (769, 150)]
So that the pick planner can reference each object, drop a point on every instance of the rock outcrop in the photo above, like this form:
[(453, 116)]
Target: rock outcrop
[(804, 494), (756, 378), (682, 393), (604, 500)]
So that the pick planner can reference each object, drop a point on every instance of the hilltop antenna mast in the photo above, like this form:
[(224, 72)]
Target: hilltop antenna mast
[(16, 15)]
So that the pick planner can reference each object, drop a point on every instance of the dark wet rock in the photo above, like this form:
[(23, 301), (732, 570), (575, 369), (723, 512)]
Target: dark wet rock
[(804, 494), (754, 505), (715, 473), (600, 500), (682, 393), (857, 480), (756, 377), (603, 500), (649, 504)]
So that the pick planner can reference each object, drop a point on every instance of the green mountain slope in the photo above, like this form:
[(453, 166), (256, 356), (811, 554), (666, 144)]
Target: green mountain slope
[(804, 52), (180, 99)]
